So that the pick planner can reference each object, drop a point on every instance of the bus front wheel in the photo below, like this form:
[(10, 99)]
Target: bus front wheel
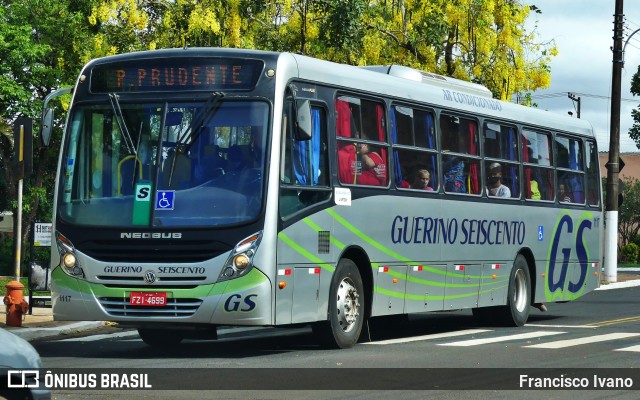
[(160, 337), (516, 312), (346, 308)]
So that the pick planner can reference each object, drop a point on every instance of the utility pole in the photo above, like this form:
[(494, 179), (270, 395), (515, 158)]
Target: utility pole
[(573, 97), (613, 166)]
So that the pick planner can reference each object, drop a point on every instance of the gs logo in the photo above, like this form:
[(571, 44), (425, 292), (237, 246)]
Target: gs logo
[(556, 282), (235, 303)]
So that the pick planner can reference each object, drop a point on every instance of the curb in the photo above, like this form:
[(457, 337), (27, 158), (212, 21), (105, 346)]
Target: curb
[(31, 334)]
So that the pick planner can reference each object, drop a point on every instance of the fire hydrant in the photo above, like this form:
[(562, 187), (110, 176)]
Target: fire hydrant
[(15, 302)]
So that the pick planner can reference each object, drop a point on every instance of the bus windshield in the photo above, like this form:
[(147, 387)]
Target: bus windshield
[(164, 164)]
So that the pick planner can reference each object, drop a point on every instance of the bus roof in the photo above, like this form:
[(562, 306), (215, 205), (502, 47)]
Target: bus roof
[(466, 96), (399, 82)]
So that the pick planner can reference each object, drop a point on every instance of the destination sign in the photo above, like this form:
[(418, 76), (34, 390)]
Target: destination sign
[(167, 74)]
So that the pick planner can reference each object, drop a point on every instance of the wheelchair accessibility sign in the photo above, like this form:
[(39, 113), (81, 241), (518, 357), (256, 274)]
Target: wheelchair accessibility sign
[(165, 199)]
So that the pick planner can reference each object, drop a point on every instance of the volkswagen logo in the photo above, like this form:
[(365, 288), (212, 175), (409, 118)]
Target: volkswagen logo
[(149, 277)]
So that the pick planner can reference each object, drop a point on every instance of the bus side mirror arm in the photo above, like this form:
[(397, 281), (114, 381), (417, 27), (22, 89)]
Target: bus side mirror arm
[(47, 115)]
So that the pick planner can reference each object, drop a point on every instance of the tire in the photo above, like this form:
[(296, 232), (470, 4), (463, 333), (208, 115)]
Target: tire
[(160, 337), (346, 308), (516, 312)]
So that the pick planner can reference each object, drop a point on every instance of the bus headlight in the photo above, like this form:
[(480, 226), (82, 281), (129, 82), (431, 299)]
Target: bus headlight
[(68, 259), (240, 261)]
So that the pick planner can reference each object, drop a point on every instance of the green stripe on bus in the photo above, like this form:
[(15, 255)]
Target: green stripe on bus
[(253, 279), (407, 296), (390, 252), (305, 253)]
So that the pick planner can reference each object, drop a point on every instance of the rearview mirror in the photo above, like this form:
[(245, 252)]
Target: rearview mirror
[(303, 120), (47, 115), (47, 127)]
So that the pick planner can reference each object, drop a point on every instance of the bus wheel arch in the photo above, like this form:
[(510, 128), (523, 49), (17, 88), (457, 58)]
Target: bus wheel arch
[(349, 302), (360, 258), (533, 273), (516, 311)]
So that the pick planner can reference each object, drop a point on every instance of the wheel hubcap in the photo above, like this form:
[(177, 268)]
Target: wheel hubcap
[(520, 295), (347, 305)]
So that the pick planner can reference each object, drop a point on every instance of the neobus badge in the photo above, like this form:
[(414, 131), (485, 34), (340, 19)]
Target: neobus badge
[(150, 235)]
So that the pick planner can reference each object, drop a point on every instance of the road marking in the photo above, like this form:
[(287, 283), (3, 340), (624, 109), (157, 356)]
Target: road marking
[(632, 348), (520, 336), (560, 326), (616, 321), (430, 337), (586, 340)]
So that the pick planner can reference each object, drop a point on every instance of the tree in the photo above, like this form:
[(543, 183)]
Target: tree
[(481, 41), (629, 211), (634, 131), (39, 52)]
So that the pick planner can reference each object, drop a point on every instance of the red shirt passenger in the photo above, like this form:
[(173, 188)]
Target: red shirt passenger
[(362, 167)]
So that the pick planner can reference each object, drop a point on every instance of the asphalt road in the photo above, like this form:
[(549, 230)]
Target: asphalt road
[(447, 351)]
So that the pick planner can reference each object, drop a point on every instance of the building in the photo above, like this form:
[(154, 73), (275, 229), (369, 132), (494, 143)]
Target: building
[(631, 164)]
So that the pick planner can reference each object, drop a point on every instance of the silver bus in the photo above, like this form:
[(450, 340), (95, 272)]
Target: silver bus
[(204, 187)]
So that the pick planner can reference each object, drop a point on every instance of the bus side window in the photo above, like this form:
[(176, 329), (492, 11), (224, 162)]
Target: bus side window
[(362, 161), (413, 128), (592, 169), (304, 165), (540, 183)]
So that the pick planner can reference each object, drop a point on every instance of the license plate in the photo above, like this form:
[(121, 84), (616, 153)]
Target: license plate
[(158, 299)]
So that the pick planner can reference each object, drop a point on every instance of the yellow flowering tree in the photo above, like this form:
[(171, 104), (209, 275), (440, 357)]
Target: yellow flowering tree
[(483, 41)]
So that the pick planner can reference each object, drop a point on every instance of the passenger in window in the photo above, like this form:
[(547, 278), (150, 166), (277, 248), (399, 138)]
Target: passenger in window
[(495, 187), (422, 180), (374, 169), (563, 196), (535, 190), (454, 177), (348, 166)]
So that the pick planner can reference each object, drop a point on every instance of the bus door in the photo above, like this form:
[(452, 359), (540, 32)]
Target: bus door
[(304, 254)]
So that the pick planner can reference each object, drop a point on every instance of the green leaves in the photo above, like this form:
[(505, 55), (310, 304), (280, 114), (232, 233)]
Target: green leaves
[(634, 131)]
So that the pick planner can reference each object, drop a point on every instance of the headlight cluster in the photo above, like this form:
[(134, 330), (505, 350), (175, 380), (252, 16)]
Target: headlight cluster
[(240, 261), (68, 259)]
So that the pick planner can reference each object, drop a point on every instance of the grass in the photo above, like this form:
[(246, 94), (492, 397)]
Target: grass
[(6, 279)]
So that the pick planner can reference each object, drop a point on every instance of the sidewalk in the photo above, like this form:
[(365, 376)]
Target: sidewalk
[(40, 325)]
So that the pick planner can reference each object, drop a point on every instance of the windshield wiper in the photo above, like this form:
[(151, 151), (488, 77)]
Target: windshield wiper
[(202, 120), (122, 125), (198, 125), (132, 148)]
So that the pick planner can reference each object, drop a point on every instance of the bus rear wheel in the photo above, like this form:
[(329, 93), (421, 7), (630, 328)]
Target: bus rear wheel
[(160, 337), (346, 308), (516, 312)]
